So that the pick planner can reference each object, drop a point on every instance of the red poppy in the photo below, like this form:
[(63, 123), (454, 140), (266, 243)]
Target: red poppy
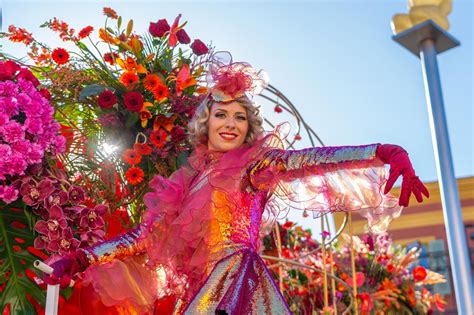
[(142, 148), (419, 273), (128, 78), (86, 31), (107, 99), (134, 175), (158, 137), (60, 56), (133, 101), (132, 157)]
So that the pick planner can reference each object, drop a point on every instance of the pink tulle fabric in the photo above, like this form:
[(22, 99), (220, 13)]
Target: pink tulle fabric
[(210, 209)]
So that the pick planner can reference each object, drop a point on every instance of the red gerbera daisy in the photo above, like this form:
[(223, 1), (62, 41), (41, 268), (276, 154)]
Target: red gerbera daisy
[(158, 138), (161, 92), (142, 148), (110, 58), (86, 31), (132, 157), (128, 78), (60, 56), (109, 12), (134, 175)]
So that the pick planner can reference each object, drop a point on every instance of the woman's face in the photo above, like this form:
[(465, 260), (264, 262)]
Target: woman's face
[(228, 126)]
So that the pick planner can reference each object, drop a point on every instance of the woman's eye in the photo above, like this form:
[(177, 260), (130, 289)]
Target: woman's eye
[(241, 118), (219, 115)]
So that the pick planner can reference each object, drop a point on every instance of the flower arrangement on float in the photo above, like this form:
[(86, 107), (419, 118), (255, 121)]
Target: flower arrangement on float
[(389, 279), (83, 131)]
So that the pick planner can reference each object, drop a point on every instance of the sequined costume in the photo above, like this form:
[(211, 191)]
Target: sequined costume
[(202, 233)]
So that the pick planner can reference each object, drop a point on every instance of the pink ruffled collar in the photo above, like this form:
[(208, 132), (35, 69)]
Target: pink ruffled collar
[(202, 156)]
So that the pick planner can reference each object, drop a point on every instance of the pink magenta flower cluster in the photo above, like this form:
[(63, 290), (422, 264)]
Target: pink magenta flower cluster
[(68, 220), (27, 128)]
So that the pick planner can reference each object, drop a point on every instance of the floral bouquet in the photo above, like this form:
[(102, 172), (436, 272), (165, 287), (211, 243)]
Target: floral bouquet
[(388, 279), (123, 101)]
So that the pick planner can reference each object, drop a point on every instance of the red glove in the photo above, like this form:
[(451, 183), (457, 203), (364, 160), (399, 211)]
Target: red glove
[(66, 268), (400, 164)]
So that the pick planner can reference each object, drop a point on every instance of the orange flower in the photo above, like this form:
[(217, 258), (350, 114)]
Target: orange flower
[(439, 302), (128, 78), (144, 116), (60, 56), (161, 92), (86, 31), (132, 157), (419, 273), (151, 82), (110, 58), (134, 175), (106, 37), (184, 79), (109, 12), (20, 35), (131, 65), (142, 148), (158, 138), (173, 39), (161, 121)]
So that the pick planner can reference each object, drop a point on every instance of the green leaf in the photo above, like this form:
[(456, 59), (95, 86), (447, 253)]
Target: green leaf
[(93, 89), (129, 27), (119, 22), (132, 120), (15, 259)]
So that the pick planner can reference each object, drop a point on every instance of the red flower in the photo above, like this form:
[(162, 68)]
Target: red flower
[(8, 70), (60, 56), (110, 58), (159, 28), (28, 76), (134, 175), (133, 101), (45, 93), (107, 99), (419, 273), (278, 109), (173, 39), (439, 302), (20, 35), (183, 37), (151, 82), (366, 303), (199, 48), (287, 225), (178, 134), (109, 12), (142, 148), (158, 137), (86, 31), (160, 92), (132, 157)]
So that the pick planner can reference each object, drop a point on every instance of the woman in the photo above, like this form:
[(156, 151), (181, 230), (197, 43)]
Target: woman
[(202, 232)]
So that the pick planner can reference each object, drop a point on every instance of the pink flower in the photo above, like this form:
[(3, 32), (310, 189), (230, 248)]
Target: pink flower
[(177, 134), (65, 244), (92, 218), (9, 106), (12, 132), (41, 242), (90, 238), (8, 88), (55, 224), (76, 194), (34, 193), (8, 194), (56, 198)]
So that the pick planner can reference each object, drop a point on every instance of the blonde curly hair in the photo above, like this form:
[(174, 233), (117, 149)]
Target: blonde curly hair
[(198, 125)]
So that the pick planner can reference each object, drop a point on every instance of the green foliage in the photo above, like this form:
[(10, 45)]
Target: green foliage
[(15, 238)]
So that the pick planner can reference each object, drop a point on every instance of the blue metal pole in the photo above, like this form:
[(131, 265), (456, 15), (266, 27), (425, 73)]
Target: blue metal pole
[(458, 254)]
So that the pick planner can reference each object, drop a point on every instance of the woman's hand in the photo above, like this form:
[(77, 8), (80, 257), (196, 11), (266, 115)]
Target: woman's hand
[(66, 268), (400, 164)]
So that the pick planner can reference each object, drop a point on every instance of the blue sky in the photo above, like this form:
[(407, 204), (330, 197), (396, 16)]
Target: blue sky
[(335, 60)]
